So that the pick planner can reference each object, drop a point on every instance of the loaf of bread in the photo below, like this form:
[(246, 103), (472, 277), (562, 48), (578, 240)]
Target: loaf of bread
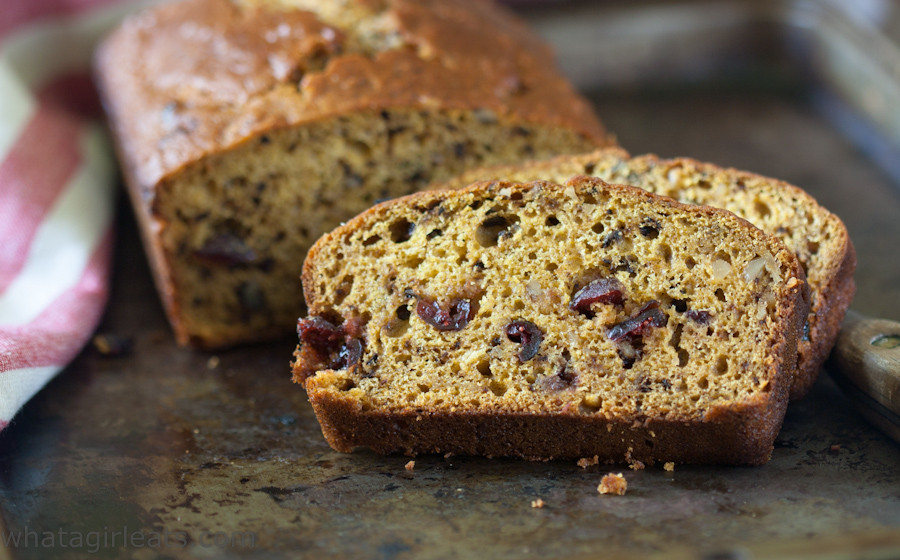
[(247, 128), (815, 235), (551, 321)]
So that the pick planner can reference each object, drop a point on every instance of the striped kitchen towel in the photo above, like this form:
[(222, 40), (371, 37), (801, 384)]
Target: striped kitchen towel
[(57, 180)]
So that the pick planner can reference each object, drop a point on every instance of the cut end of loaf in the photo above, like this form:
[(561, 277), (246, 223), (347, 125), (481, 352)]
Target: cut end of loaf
[(586, 305), (238, 224)]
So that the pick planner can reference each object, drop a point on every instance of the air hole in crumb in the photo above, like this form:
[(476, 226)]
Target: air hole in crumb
[(497, 387), (720, 294), (590, 404), (665, 252), (675, 341), (434, 233), (414, 262), (812, 247), (489, 232), (518, 305), (343, 289), (703, 383), (551, 267), (690, 262), (403, 313), (683, 357), (597, 228), (401, 230), (346, 385), (423, 388), (721, 365), (484, 367), (551, 221), (371, 240), (722, 255), (761, 208)]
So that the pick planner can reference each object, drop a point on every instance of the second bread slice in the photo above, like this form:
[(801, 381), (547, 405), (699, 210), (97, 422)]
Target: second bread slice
[(815, 235), (543, 320)]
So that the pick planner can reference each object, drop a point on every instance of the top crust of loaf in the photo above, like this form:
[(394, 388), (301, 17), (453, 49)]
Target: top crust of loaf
[(359, 273), (818, 237), (196, 77)]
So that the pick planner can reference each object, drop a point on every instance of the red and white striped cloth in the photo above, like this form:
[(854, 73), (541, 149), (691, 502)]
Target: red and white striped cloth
[(57, 181)]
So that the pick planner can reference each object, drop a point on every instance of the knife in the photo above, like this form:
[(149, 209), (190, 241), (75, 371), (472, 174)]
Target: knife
[(866, 366)]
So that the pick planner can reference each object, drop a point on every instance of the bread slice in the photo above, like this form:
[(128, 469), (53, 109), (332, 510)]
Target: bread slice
[(818, 237), (543, 320), (247, 128)]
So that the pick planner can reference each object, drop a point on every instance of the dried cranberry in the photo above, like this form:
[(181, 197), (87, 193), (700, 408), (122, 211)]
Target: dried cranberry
[(528, 335), (602, 290), (349, 355), (319, 334), (458, 316), (698, 316), (225, 249), (650, 315), (333, 346)]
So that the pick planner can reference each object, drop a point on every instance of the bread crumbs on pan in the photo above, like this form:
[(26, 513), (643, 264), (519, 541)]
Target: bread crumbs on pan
[(669, 466), (613, 484), (584, 462), (539, 503), (410, 465)]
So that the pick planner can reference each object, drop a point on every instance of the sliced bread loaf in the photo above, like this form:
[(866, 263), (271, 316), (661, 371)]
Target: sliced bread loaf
[(247, 128), (543, 320), (815, 235)]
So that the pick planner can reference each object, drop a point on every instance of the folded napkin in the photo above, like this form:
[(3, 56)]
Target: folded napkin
[(57, 180)]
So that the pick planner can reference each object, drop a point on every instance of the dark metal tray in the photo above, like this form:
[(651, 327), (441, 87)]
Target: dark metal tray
[(173, 453)]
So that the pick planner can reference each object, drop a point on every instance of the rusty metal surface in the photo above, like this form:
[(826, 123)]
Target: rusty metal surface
[(172, 453), (221, 456)]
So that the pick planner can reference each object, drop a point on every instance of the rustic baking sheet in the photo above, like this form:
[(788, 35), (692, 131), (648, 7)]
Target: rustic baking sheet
[(167, 452)]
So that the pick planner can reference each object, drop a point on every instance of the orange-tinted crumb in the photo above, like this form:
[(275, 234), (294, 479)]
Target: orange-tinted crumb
[(669, 466), (613, 484), (410, 465), (584, 462), (539, 503)]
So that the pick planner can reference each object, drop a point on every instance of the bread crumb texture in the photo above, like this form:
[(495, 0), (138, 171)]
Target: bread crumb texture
[(816, 236), (581, 301)]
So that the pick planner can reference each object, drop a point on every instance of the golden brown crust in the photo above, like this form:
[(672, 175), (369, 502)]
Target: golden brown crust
[(740, 439), (174, 96), (741, 432), (831, 280)]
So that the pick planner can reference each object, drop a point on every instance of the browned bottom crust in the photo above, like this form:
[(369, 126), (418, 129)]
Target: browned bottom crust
[(730, 438)]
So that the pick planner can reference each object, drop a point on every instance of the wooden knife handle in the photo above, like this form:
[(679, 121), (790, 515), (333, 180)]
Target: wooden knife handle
[(867, 357)]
